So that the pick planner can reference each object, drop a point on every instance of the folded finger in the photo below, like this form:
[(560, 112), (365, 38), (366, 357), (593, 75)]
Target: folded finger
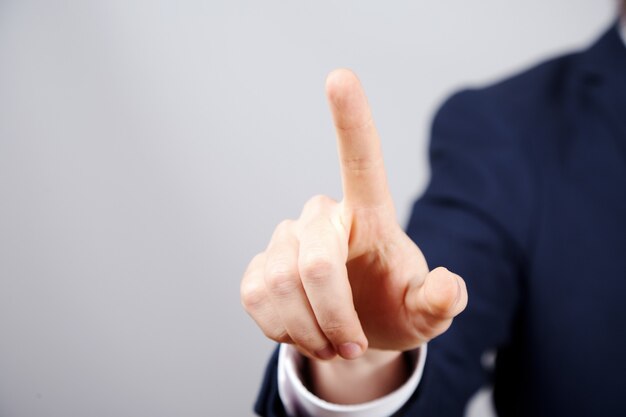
[(322, 268), (288, 296), (257, 303)]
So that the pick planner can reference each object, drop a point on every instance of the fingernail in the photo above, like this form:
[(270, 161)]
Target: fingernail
[(327, 353), (350, 350)]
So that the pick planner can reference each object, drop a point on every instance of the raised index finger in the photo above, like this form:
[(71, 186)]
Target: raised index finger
[(362, 169)]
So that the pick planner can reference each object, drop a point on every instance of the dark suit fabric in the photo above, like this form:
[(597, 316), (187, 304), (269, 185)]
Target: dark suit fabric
[(527, 202)]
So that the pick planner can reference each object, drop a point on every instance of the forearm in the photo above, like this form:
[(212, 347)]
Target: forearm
[(375, 374)]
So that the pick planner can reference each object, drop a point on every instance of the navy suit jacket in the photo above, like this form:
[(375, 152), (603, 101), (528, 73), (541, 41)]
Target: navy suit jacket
[(527, 202)]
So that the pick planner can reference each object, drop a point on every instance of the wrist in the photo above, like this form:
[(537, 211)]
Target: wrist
[(373, 375)]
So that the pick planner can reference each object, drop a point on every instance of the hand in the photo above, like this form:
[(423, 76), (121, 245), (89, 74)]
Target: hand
[(345, 275)]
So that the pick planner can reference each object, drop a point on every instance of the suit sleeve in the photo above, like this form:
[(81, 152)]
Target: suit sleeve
[(268, 402), (475, 219)]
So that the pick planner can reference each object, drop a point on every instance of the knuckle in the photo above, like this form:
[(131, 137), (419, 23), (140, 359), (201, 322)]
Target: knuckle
[(319, 200), (285, 225), (252, 295), (281, 279), (317, 268), (316, 205), (253, 266)]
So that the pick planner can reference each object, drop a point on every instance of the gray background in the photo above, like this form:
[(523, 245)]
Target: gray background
[(147, 149)]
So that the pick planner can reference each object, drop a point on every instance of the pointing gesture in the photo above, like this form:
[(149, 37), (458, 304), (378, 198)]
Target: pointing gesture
[(344, 276)]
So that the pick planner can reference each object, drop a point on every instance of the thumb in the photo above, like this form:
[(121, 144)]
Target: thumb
[(434, 301)]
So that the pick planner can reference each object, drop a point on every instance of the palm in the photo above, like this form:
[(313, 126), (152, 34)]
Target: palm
[(380, 270)]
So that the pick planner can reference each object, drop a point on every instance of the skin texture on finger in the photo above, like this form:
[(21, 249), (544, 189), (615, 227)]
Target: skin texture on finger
[(287, 294), (256, 301), (367, 208), (322, 266), (362, 168)]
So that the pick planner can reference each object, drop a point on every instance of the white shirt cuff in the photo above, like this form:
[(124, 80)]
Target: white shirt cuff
[(299, 401)]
